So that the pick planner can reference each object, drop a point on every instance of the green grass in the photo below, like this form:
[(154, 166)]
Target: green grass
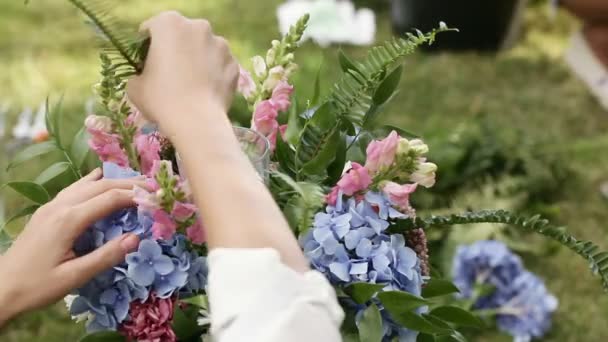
[(46, 50)]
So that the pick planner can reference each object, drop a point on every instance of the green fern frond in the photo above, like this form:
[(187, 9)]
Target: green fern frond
[(125, 46), (352, 95), (597, 259)]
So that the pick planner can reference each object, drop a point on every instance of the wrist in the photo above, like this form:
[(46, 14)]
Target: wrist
[(8, 305)]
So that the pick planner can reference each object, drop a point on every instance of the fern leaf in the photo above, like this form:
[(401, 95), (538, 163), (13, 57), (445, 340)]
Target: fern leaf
[(124, 45), (352, 95), (598, 260)]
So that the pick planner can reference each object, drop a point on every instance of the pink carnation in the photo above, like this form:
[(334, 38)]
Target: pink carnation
[(355, 180), (107, 147), (281, 96), (399, 195), (163, 227), (196, 233), (150, 321), (265, 117), (382, 153), (183, 211), (246, 86), (148, 148)]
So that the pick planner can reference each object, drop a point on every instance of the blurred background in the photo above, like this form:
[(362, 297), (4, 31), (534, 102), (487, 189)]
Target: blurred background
[(507, 122)]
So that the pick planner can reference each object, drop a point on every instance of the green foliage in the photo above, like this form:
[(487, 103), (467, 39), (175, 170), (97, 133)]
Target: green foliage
[(436, 287), (597, 259), (22, 213), (31, 152), (33, 191), (399, 302), (299, 200), (457, 316), (363, 292), (185, 323)]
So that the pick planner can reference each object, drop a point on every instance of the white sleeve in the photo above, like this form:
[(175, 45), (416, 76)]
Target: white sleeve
[(254, 297)]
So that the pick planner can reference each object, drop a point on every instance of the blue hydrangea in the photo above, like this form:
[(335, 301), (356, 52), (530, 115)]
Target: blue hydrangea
[(486, 263), (520, 298), (349, 243), (528, 313), (166, 268)]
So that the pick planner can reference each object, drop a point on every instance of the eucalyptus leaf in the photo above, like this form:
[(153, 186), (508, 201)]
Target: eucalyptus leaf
[(31, 152), (387, 88), (22, 213), (370, 326), (398, 302), (438, 287), (79, 148), (52, 172), (104, 336), (363, 292), (33, 191)]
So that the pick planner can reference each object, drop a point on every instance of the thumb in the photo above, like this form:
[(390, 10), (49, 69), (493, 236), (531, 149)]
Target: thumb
[(79, 271)]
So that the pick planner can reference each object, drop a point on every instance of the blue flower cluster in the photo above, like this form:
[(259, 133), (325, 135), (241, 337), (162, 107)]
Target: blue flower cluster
[(161, 267), (349, 243), (524, 306)]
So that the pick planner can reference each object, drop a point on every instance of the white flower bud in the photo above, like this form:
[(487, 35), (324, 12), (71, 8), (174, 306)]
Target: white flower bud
[(259, 66), (403, 147), (275, 43), (425, 175), (271, 56), (419, 147), (98, 123), (275, 75)]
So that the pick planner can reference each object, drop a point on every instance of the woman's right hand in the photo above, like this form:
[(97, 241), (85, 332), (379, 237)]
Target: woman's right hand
[(188, 68)]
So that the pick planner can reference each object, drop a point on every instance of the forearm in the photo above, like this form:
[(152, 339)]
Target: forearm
[(238, 210)]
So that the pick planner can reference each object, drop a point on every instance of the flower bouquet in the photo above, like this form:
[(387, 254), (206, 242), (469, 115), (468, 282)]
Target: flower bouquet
[(342, 178)]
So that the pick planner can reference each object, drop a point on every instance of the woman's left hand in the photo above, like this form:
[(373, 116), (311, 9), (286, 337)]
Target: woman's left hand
[(41, 267)]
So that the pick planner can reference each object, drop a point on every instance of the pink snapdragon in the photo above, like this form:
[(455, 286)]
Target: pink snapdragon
[(246, 86), (150, 321), (183, 211), (281, 96), (265, 117), (381, 153), (105, 143), (163, 227), (196, 233), (145, 200), (332, 197), (355, 180), (148, 148), (272, 137), (398, 194)]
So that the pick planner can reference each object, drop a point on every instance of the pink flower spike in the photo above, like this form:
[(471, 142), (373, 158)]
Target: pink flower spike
[(382, 153), (107, 147), (332, 197), (98, 123), (183, 211), (272, 138), (246, 86), (355, 180), (196, 233), (281, 96), (163, 226), (265, 117), (399, 195), (148, 148)]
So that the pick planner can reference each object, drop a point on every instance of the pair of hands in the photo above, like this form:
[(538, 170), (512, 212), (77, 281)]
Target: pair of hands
[(187, 67)]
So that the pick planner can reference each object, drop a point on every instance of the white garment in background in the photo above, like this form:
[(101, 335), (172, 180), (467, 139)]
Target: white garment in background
[(331, 21), (254, 297)]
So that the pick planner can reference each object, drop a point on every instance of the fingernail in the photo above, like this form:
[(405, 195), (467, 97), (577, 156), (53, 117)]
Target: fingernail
[(129, 243)]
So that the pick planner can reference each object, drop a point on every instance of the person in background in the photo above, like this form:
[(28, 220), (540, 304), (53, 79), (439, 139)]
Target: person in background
[(260, 287), (587, 55)]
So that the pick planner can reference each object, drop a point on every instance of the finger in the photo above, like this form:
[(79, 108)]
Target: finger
[(75, 273), (83, 215), (92, 176), (156, 23), (86, 191)]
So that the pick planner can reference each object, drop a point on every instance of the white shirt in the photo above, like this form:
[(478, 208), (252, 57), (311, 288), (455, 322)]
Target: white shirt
[(254, 297)]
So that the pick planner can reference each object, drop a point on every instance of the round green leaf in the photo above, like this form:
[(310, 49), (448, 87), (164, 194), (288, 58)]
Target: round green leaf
[(370, 326)]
